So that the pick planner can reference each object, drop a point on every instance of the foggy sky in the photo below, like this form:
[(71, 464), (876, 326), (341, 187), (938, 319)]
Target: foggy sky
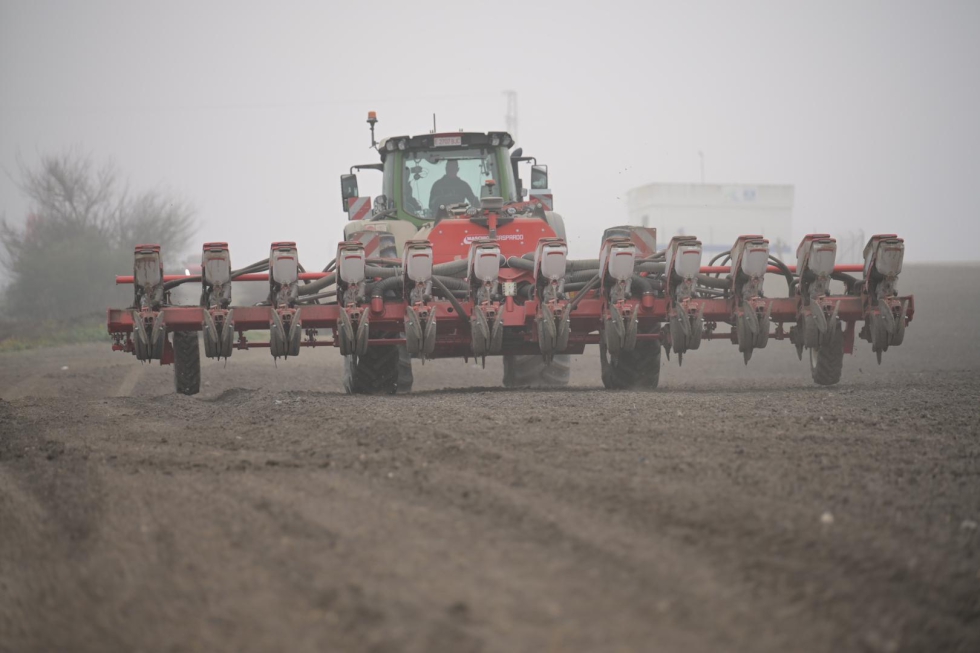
[(871, 109)]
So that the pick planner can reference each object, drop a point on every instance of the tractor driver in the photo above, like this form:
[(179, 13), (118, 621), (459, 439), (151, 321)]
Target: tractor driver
[(450, 189)]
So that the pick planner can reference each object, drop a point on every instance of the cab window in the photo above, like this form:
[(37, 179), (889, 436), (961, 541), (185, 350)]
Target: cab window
[(447, 176)]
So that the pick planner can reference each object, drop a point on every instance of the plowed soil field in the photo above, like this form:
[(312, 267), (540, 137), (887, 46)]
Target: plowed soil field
[(737, 508)]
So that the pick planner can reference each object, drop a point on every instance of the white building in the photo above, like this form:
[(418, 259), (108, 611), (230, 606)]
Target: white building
[(716, 213)]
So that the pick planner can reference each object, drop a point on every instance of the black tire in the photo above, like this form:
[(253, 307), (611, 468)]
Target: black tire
[(405, 378), (530, 371), (374, 373), (187, 363), (639, 368), (827, 360)]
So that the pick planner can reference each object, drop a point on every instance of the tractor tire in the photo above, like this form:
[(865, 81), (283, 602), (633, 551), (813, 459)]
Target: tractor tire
[(530, 371), (187, 363), (827, 360), (374, 373), (639, 368), (405, 378)]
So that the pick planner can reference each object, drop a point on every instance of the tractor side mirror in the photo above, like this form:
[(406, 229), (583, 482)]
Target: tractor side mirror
[(348, 188), (539, 177)]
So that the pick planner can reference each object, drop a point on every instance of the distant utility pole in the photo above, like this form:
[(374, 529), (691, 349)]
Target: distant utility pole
[(511, 117), (701, 154)]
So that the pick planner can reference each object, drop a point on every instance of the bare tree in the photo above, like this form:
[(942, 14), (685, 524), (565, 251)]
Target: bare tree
[(83, 224), (67, 191), (156, 217)]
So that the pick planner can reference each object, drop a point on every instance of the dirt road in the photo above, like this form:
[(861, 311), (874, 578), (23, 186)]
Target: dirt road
[(736, 509)]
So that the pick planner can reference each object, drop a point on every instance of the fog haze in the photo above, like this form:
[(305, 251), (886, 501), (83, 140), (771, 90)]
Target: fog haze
[(870, 109)]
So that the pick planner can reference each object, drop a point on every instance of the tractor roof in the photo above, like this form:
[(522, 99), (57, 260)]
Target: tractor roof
[(447, 140)]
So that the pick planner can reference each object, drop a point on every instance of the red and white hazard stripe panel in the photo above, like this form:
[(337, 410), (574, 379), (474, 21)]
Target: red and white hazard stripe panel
[(371, 241), (645, 239), (358, 208)]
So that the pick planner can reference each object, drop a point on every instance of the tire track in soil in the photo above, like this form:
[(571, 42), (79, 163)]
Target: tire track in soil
[(129, 381)]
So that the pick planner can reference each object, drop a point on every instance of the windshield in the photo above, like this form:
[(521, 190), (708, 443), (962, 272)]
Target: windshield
[(434, 178)]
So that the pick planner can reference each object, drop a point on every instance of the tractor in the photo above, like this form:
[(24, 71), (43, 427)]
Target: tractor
[(436, 187)]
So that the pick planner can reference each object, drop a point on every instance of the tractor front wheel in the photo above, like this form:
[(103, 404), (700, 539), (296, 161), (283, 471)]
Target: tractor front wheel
[(639, 368), (827, 359), (374, 373), (187, 362)]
